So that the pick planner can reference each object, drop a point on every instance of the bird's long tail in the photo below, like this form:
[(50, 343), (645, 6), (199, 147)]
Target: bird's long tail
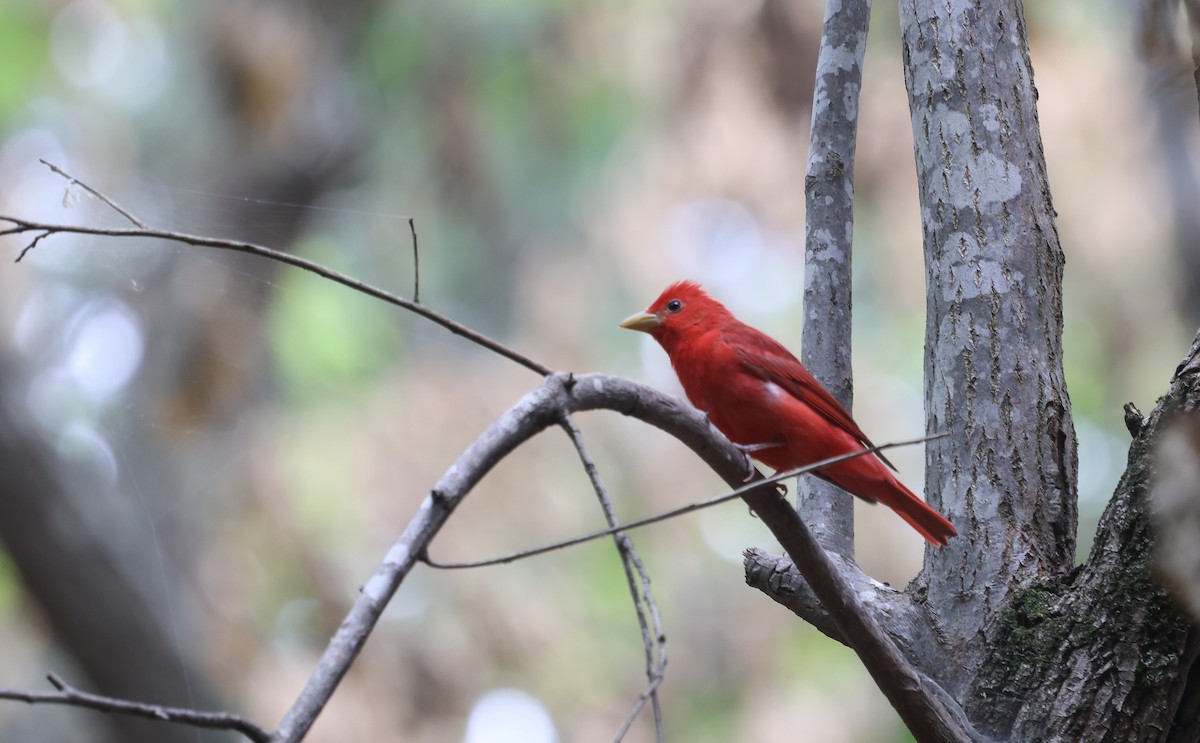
[(932, 525), (872, 482)]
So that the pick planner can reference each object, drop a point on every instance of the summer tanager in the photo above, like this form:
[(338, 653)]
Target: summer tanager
[(764, 400)]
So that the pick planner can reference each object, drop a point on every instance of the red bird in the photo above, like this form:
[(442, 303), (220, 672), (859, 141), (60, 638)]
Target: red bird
[(763, 399)]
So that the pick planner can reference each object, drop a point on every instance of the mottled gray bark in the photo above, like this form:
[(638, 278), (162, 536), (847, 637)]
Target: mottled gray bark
[(1104, 654), (993, 371), (1029, 646), (829, 203)]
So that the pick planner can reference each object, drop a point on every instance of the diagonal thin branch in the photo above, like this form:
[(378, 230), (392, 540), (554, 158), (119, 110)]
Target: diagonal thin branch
[(643, 599), (32, 243), (716, 500), (73, 181), (23, 226), (70, 696)]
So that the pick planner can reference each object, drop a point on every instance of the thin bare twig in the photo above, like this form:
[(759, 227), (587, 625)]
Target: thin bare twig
[(643, 599), (655, 676), (70, 696), (674, 512), (412, 227), (73, 181), (22, 226), (32, 243)]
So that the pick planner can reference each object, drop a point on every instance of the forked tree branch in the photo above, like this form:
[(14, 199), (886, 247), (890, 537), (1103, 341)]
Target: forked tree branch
[(777, 576), (920, 705), (72, 181)]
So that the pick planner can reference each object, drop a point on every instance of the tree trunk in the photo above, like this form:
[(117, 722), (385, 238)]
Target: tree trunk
[(1102, 655), (993, 370), (1029, 646)]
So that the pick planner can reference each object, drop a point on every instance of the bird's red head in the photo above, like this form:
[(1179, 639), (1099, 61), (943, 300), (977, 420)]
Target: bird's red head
[(680, 309)]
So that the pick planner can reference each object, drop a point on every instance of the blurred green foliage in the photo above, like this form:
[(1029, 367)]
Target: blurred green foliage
[(490, 111), (10, 586), (325, 337), (23, 39)]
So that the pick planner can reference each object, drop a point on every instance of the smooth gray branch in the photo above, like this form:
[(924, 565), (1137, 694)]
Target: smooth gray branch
[(776, 576), (828, 243), (70, 696)]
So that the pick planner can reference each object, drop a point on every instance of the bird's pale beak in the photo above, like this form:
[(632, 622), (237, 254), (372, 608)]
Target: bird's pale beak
[(643, 321)]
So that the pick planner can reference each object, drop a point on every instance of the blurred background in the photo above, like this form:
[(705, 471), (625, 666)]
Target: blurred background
[(204, 455)]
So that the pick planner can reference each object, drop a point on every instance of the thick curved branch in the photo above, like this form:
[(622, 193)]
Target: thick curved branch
[(532, 414), (919, 706)]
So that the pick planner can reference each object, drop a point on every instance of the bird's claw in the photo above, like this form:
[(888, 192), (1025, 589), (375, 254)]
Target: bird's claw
[(751, 470), (751, 448)]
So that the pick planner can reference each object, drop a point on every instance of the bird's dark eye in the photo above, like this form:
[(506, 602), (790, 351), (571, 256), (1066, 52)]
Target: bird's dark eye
[(674, 305)]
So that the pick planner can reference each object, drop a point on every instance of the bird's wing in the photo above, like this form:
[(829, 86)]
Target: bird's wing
[(765, 358)]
